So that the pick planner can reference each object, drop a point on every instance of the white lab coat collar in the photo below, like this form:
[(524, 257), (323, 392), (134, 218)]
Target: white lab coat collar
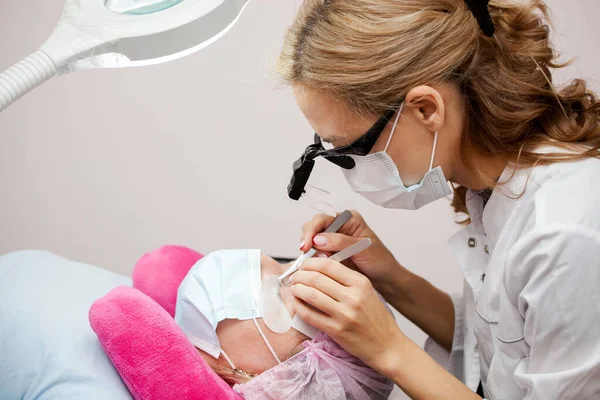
[(515, 186)]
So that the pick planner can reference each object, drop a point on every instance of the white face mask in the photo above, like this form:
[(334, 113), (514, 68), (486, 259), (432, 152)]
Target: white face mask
[(225, 284), (376, 177)]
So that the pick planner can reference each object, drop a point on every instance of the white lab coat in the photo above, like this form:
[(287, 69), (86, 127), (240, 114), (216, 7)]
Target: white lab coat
[(528, 322)]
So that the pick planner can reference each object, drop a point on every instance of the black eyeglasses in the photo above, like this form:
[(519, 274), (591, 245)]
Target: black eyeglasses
[(339, 155)]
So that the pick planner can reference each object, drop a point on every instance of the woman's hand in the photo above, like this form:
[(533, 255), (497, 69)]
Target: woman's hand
[(426, 306), (343, 303), (376, 262)]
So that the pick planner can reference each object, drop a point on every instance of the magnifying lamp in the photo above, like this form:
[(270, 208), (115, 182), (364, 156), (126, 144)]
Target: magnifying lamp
[(120, 33)]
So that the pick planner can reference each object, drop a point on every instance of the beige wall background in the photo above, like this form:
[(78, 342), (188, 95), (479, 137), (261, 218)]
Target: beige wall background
[(102, 166)]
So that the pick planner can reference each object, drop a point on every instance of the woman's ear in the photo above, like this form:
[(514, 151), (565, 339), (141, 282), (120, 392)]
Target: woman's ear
[(428, 105)]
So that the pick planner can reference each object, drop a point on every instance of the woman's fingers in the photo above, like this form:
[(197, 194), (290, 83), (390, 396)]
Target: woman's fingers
[(320, 222), (320, 282), (313, 317), (322, 254), (334, 242), (315, 298), (336, 271)]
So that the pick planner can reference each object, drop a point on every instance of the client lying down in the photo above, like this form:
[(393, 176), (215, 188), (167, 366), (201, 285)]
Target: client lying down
[(220, 306)]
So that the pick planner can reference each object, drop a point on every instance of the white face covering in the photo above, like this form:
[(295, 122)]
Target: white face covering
[(225, 284), (376, 177)]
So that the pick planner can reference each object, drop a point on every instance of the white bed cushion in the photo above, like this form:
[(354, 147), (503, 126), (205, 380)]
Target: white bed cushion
[(47, 348)]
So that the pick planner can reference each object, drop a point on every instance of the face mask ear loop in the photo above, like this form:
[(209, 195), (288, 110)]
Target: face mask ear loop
[(228, 360), (266, 341), (433, 151), (393, 128)]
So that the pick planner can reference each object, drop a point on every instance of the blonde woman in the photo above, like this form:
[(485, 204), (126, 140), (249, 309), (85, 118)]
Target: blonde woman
[(406, 96)]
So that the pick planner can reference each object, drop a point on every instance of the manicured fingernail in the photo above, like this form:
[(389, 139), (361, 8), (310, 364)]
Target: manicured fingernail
[(322, 255), (320, 240), (301, 245)]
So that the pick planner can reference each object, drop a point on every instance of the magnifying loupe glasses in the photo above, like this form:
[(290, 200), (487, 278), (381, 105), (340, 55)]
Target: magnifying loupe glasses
[(120, 33), (339, 155)]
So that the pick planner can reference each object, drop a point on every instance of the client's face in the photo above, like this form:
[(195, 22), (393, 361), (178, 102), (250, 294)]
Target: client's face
[(242, 342)]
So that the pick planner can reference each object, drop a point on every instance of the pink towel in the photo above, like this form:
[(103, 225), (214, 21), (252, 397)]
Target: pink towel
[(160, 272), (150, 352)]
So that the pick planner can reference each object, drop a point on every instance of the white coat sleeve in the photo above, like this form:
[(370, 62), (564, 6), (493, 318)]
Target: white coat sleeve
[(553, 278), (452, 361)]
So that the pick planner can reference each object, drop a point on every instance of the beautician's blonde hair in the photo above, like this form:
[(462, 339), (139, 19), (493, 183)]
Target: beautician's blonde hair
[(370, 53)]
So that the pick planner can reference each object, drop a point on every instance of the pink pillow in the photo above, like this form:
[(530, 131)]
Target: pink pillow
[(150, 352)]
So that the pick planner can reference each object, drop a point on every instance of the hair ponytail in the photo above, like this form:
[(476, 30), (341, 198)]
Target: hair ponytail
[(514, 107)]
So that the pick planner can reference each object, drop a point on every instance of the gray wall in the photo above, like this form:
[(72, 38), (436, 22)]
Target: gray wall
[(102, 166)]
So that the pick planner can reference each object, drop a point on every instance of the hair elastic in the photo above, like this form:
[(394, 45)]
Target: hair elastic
[(480, 11)]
